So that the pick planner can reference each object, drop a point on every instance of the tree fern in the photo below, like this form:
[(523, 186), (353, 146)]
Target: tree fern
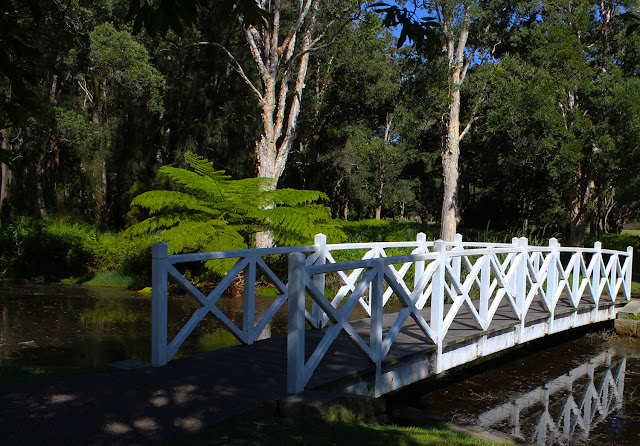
[(209, 211)]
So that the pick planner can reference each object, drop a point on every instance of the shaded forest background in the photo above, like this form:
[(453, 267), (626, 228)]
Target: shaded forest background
[(549, 115)]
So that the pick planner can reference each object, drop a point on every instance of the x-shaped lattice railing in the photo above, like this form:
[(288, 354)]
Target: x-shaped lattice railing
[(454, 271)]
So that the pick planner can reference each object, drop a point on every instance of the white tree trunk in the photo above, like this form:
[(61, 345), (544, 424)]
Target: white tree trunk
[(458, 67)]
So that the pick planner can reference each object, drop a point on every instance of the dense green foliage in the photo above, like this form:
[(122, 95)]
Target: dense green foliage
[(62, 248)]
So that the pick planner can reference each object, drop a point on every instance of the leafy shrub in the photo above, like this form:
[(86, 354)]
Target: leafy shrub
[(62, 247)]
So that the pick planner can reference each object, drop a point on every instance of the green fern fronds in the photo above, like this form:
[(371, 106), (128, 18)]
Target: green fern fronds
[(209, 211)]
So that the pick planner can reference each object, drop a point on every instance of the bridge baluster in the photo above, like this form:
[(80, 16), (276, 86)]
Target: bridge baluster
[(552, 278), (437, 298), (159, 304), (421, 238), (627, 274), (295, 333), (521, 283), (319, 279), (595, 284)]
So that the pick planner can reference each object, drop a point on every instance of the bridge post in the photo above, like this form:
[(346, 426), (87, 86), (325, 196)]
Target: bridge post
[(295, 333), (595, 281), (552, 280), (421, 238), (485, 284), (319, 279), (575, 287), (375, 329), (456, 262), (521, 284), (249, 301), (437, 299), (628, 272), (159, 303)]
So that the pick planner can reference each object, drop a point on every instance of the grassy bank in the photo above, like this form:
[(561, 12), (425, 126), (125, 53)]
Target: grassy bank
[(301, 431)]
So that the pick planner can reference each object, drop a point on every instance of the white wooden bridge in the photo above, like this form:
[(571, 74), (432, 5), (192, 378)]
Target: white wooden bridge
[(458, 301)]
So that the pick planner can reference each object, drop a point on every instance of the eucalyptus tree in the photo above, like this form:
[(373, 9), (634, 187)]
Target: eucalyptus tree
[(466, 31)]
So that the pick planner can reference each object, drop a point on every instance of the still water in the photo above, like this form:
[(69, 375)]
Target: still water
[(583, 391), (73, 325)]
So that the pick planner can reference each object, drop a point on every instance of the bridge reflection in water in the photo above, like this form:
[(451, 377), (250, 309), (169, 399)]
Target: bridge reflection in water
[(567, 408)]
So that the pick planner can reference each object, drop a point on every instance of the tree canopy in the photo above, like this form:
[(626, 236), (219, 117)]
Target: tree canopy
[(516, 113)]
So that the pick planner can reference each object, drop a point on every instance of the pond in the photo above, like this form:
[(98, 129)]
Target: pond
[(583, 391), (80, 326)]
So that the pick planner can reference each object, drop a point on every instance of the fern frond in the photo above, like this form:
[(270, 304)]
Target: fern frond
[(196, 235), (295, 225), (294, 197), (159, 223), (194, 183), (156, 201)]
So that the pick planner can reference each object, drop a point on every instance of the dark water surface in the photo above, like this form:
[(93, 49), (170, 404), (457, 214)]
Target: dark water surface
[(80, 326), (583, 391)]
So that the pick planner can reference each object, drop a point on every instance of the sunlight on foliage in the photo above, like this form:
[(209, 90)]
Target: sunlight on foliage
[(208, 211)]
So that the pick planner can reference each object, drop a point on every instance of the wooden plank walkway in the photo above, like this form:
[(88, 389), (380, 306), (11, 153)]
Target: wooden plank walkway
[(250, 366)]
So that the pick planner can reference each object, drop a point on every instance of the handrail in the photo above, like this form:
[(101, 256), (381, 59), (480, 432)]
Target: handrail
[(479, 276), (513, 273)]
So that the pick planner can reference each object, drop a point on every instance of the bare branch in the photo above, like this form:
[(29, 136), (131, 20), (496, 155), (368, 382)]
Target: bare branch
[(236, 66)]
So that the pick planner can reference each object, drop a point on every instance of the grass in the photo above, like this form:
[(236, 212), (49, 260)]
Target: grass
[(24, 373), (635, 288), (301, 431), (113, 279)]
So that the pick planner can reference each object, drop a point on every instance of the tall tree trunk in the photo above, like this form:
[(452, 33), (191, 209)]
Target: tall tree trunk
[(458, 66), (278, 62), (450, 171), (40, 172), (5, 172), (580, 213)]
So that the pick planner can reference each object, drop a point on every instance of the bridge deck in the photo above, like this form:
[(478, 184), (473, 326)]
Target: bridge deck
[(261, 367)]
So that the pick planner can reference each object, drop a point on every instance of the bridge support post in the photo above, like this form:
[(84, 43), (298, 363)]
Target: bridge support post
[(375, 329), (627, 275), (456, 262), (159, 304), (595, 284), (521, 284), (295, 334), (421, 238), (319, 280), (552, 280), (249, 302), (437, 300)]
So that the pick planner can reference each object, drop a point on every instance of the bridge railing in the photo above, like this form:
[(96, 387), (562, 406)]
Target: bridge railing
[(478, 275), (481, 277), (249, 263)]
